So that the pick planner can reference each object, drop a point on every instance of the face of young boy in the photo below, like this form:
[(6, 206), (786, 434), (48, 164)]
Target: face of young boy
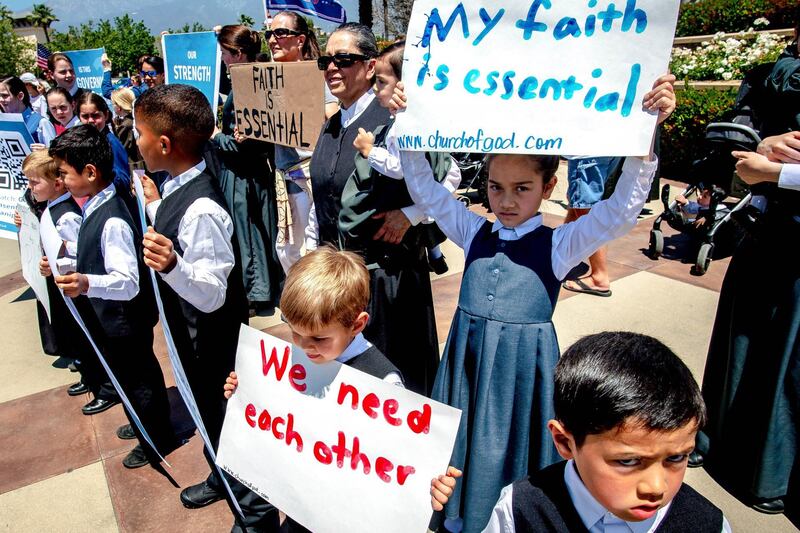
[(77, 183), (516, 189), (385, 82), (43, 190), (634, 471), (149, 143), (325, 344)]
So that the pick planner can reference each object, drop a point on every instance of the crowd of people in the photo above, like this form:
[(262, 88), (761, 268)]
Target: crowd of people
[(344, 239)]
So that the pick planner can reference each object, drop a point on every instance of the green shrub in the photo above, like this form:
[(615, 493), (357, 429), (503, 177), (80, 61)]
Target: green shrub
[(705, 17), (683, 133)]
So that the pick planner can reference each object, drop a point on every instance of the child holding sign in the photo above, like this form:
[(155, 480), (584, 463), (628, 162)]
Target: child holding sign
[(324, 302), (502, 348)]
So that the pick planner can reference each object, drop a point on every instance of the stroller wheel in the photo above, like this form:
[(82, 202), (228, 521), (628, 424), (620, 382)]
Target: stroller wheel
[(703, 259), (656, 243)]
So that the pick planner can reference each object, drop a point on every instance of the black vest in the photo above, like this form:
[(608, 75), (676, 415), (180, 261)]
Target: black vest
[(115, 318), (209, 337), (542, 503), (374, 363), (62, 208)]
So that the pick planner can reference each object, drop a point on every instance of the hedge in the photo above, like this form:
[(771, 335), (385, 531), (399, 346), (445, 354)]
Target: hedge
[(706, 17), (683, 133)]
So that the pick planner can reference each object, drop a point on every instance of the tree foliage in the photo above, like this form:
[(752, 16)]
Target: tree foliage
[(42, 17), (124, 40), (15, 53), (246, 20), (187, 28)]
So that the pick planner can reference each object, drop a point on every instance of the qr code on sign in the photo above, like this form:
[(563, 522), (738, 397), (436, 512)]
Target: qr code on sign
[(12, 153)]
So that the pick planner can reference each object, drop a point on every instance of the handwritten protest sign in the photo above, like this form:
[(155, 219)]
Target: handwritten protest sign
[(30, 253), (193, 59), (15, 142), (88, 68), (540, 76), (332, 447), (281, 103)]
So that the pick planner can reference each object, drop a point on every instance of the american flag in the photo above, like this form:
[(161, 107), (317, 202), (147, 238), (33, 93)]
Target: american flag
[(42, 53)]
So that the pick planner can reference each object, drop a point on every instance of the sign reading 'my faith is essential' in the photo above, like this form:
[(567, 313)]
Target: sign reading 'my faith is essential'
[(541, 76), (332, 447)]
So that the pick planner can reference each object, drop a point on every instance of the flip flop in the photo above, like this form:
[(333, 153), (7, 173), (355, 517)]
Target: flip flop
[(585, 289)]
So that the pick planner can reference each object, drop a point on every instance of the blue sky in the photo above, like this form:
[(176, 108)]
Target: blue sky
[(105, 9)]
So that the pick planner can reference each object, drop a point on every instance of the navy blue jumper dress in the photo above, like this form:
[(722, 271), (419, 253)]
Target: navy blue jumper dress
[(498, 368)]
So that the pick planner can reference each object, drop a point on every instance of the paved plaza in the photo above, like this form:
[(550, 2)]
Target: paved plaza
[(61, 471)]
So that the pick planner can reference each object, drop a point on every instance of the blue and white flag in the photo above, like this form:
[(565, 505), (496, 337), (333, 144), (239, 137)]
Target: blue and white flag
[(325, 9), (88, 68), (193, 59)]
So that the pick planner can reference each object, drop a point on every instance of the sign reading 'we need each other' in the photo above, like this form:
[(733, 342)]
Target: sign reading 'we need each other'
[(541, 76), (332, 447)]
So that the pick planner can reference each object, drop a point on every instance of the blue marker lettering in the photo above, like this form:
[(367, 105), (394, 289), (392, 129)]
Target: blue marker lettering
[(566, 26), (471, 76), (589, 98), (442, 29), (608, 16), (633, 13), (527, 89), (423, 72), (529, 25), (591, 20), (491, 78), (630, 92), (488, 22), (550, 83), (607, 102), (508, 85), (569, 86), (441, 73)]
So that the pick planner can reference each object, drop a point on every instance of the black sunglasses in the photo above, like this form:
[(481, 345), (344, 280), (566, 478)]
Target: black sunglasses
[(280, 33), (340, 60)]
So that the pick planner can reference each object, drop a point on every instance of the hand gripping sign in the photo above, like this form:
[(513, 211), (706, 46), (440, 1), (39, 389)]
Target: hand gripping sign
[(332, 447)]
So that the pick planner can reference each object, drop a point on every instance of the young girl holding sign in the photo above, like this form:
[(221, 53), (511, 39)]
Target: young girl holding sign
[(499, 361)]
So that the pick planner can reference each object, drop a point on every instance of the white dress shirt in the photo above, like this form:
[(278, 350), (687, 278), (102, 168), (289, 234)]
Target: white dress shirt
[(572, 242), (414, 214), (360, 345), (789, 177), (593, 515), (205, 233), (121, 280), (47, 130), (68, 227)]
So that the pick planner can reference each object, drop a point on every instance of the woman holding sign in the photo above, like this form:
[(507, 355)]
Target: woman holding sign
[(247, 185), (290, 39), (402, 324)]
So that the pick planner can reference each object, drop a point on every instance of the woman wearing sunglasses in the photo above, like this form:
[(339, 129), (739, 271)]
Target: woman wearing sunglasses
[(290, 39), (151, 73), (400, 282)]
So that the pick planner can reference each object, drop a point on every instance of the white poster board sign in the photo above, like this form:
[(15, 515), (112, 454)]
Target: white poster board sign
[(332, 447), (541, 76), (15, 145), (30, 253)]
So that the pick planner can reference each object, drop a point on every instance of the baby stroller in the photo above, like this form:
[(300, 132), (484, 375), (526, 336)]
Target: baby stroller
[(473, 177), (712, 172)]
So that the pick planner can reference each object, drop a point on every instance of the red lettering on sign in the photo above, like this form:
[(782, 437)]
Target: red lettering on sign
[(292, 435), (403, 472), (275, 422), (264, 420), (371, 401), (382, 466), (390, 408), (341, 451), (273, 360), (344, 389), (357, 457), (322, 453), (249, 413), (296, 377), (420, 421)]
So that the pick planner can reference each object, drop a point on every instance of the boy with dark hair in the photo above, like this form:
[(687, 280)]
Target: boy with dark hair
[(111, 274), (627, 412), (191, 246)]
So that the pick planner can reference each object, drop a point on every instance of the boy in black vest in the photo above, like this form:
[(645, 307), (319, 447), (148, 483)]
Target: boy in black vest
[(191, 246), (46, 186), (627, 411), (111, 273)]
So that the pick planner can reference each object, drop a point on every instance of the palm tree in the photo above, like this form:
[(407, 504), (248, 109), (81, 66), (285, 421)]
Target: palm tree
[(244, 20), (42, 17), (5, 13)]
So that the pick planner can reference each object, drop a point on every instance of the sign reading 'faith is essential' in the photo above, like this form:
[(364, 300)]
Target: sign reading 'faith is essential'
[(281, 103), (541, 76)]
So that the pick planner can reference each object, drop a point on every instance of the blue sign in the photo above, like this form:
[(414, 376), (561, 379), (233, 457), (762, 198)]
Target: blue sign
[(88, 68), (193, 59), (325, 9)]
